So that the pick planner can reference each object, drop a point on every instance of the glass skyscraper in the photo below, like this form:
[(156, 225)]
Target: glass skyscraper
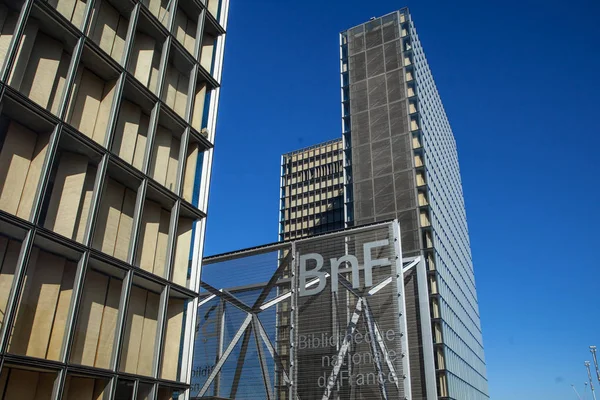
[(401, 162)]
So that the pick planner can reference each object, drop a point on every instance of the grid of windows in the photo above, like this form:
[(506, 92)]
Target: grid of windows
[(107, 116), (312, 191)]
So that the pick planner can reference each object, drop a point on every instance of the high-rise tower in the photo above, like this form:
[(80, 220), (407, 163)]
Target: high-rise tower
[(401, 162)]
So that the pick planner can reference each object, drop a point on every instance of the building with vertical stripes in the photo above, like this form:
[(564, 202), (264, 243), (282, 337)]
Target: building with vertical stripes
[(107, 122)]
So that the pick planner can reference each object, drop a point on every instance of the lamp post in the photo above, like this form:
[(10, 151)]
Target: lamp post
[(587, 366), (593, 351)]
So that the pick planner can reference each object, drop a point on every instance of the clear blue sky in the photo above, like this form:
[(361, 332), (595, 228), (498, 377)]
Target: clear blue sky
[(520, 82)]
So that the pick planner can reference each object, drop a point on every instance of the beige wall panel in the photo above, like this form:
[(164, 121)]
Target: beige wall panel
[(87, 103), (90, 319), (190, 36), (154, 73), (213, 7), (59, 86), (125, 225), (78, 13), (10, 255), (146, 357), (79, 388), (171, 85), (182, 251), (66, 194), (162, 242), (149, 235), (31, 333), (130, 351), (171, 178), (65, 7), (199, 99), (15, 158), (109, 214), (142, 140), (45, 386), (127, 130), (105, 27), (100, 386), (24, 51), (33, 175), (206, 56), (62, 311), (21, 385), (8, 23), (161, 152), (119, 45), (181, 21), (181, 95), (42, 69), (108, 95), (109, 324), (190, 171), (143, 54), (84, 209), (159, 9), (172, 339)]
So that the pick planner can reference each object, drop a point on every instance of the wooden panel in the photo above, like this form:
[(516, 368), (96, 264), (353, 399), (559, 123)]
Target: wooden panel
[(33, 175), (31, 332), (78, 388), (142, 140), (143, 54), (149, 235), (107, 224), (172, 339), (127, 130), (84, 209), (15, 158), (87, 103), (24, 51), (109, 324), (171, 178), (182, 251), (105, 26), (199, 100), (42, 69), (148, 341), (21, 385), (67, 193), (190, 171), (89, 321), (10, 256), (160, 258), (161, 152), (108, 95), (130, 351), (181, 95), (125, 225), (62, 311), (45, 386), (61, 79)]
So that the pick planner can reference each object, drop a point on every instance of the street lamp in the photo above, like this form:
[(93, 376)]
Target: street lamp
[(593, 351), (587, 366)]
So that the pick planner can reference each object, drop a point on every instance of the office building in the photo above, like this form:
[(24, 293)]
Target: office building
[(312, 185), (107, 119)]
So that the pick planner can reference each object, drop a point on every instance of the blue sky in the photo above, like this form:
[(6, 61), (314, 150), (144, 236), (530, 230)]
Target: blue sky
[(520, 83)]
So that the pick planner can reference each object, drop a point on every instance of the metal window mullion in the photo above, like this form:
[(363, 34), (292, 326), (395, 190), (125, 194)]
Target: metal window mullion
[(172, 240), (292, 370), (172, 16), (12, 51), (87, 15), (199, 34), (164, 62), (75, 306), (96, 200), (137, 222), (161, 328), (59, 386), (131, 29), (18, 282), (70, 79), (190, 103), (152, 128), (183, 147), (114, 111), (45, 174), (121, 321)]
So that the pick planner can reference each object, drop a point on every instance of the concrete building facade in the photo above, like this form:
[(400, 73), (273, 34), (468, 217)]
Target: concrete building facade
[(107, 123)]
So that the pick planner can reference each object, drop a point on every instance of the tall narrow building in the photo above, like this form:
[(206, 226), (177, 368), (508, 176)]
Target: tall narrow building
[(401, 162), (107, 123)]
